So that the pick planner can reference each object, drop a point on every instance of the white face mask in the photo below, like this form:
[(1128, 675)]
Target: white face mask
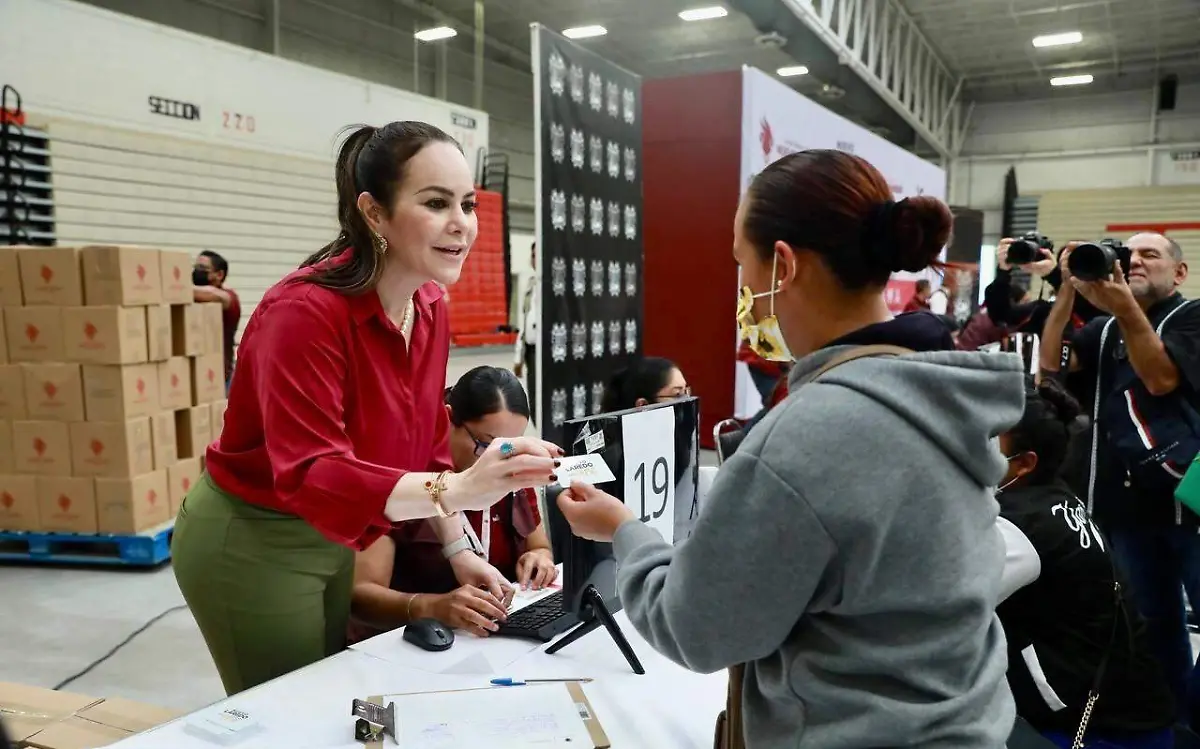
[(1014, 479)]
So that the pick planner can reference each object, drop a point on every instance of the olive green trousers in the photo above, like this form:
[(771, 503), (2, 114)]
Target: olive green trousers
[(270, 593)]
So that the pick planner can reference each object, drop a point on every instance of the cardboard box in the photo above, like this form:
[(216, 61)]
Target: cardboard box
[(131, 716), (50, 276), (181, 477), (75, 733), (131, 505), (208, 379), (34, 334), (3, 339), (28, 710), (42, 448), (212, 317), (113, 449), (193, 427), (176, 276), (164, 439), (53, 392), (117, 392), (119, 275), (10, 278), (18, 507), (218, 417), (105, 335), (187, 330), (66, 504), (158, 332), (175, 383), (12, 393), (8, 463)]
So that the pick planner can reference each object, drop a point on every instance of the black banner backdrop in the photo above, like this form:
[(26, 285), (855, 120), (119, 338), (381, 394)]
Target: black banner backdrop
[(589, 148)]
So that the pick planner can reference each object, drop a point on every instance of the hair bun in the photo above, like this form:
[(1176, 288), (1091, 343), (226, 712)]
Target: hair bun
[(920, 229)]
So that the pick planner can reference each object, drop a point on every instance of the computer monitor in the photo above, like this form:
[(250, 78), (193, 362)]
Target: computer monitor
[(642, 465)]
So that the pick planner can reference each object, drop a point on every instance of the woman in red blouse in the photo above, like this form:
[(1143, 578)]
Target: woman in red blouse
[(403, 577), (335, 429)]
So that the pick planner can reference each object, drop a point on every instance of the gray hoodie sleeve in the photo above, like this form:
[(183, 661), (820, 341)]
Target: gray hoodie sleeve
[(695, 603)]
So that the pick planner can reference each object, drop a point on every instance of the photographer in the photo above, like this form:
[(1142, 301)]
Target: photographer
[(1034, 254), (1145, 371)]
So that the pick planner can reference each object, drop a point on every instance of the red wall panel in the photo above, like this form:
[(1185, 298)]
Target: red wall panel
[(691, 170)]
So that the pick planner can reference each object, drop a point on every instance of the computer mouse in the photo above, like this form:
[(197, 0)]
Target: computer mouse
[(429, 634)]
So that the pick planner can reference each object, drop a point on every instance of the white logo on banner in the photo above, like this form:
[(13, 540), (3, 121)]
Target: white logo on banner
[(596, 153), (649, 441), (629, 106), (614, 219), (558, 209), (614, 160), (614, 99), (558, 142), (578, 214), (630, 165), (579, 346), (579, 276), (597, 340), (630, 222), (595, 91), (596, 208), (558, 71), (578, 401), (630, 279), (597, 397), (577, 149), (558, 342), (558, 407), (614, 278), (558, 276), (630, 336), (577, 84), (614, 337), (597, 278)]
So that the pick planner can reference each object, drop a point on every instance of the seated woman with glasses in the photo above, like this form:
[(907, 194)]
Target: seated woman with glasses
[(404, 576), (650, 379)]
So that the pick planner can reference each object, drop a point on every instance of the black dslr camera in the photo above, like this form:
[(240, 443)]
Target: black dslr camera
[(1094, 261), (1026, 248)]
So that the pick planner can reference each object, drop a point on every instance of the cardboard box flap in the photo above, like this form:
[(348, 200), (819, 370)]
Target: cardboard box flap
[(27, 710), (76, 733), (131, 716)]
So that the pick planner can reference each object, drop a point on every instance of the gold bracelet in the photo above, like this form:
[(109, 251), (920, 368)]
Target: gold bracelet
[(436, 487), (408, 609)]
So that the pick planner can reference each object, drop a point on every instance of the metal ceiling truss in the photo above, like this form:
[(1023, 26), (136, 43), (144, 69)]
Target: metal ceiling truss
[(883, 45)]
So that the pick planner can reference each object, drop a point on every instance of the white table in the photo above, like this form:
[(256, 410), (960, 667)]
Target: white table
[(310, 708)]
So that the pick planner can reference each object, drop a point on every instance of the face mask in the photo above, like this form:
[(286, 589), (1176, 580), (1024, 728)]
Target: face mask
[(200, 277), (763, 336), (1013, 480)]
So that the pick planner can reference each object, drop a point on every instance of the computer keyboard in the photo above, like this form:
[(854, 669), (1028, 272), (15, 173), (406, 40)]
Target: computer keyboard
[(541, 620)]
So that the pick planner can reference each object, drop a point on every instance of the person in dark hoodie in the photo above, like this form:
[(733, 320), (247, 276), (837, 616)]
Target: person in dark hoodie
[(846, 563), (1070, 614)]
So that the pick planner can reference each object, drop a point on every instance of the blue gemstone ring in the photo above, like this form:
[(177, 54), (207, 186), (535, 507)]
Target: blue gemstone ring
[(506, 449)]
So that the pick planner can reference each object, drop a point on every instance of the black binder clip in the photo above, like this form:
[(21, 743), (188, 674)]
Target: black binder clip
[(374, 721)]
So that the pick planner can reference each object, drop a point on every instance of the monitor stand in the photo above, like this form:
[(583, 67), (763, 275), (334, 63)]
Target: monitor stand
[(593, 614)]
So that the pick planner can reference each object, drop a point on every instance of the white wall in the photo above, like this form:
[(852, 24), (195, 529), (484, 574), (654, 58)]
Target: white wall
[(1075, 141)]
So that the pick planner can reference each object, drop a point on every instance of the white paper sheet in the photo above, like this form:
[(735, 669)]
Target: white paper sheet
[(541, 716)]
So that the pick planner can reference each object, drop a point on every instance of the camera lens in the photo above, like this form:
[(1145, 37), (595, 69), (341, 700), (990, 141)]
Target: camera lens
[(1022, 251), (1091, 261)]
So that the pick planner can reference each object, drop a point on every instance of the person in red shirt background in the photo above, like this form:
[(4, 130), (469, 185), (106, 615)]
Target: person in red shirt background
[(402, 577), (335, 429), (208, 280)]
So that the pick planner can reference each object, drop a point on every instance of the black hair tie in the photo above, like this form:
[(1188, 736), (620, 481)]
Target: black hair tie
[(877, 243)]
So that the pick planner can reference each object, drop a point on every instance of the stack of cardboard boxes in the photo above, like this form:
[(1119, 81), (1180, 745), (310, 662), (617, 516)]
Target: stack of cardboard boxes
[(45, 719), (111, 382)]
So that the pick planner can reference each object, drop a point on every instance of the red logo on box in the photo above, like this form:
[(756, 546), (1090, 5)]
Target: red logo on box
[(50, 389), (141, 386), (174, 381), (90, 331), (39, 446), (187, 484), (64, 502), (97, 447), (151, 496), (7, 500), (47, 273), (32, 333), (141, 272), (212, 376), (175, 272)]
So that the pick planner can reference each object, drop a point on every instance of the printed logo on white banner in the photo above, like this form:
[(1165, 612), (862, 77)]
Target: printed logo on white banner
[(597, 397), (558, 142), (578, 214), (578, 401), (649, 441), (630, 222), (558, 342), (558, 407), (614, 219), (597, 340), (558, 210), (558, 276), (630, 336), (630, 279), (596, 211), (614, 278), (579, 276), (614, 160), (614, 99), (577, 148), (557, 69), (630, 165), (596, 153), (629, 106), (595, 91), (597, 278), (576, 84), (614, 337), (579, 344)]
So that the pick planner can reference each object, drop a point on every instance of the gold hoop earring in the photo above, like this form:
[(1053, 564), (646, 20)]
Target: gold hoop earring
[(381, 245)]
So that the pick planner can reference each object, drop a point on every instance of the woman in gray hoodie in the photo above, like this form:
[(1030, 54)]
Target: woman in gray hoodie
[(847, 554)]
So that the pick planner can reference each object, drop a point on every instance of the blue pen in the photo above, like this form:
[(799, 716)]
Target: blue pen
[(508, 681)]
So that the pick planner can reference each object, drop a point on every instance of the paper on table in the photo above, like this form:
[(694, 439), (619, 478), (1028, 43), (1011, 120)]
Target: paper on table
[(516, 717)]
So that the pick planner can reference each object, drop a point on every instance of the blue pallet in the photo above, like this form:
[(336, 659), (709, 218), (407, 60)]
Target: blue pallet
[(146, 549)]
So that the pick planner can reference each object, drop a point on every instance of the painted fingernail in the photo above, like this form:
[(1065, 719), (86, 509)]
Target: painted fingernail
[(554, 477), (557, 462)]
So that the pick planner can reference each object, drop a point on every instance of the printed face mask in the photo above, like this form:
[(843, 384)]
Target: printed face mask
[(763, 336)]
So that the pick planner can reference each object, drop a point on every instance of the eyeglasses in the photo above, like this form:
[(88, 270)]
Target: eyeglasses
[(480, 445), (673, 393)]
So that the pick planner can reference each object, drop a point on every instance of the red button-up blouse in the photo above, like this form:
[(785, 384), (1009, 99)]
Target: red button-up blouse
[(328, 409)]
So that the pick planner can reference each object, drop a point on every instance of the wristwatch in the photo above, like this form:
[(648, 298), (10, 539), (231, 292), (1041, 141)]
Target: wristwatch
[(466, 541)]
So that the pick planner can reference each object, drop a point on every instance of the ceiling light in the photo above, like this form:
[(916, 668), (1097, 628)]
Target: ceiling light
[(791, 70), (584, 32), (1057, 40), (435, 34), (1071, 80), (703, 14)]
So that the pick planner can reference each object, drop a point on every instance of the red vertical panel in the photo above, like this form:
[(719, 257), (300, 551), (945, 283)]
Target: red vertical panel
[(478, 306), (691, 170)]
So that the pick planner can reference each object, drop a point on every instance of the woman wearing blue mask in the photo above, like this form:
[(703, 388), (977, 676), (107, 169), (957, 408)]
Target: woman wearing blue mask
[(1076, 644), (846, 562)]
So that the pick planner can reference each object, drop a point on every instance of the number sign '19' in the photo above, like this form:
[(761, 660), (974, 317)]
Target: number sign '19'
[(648, 438)]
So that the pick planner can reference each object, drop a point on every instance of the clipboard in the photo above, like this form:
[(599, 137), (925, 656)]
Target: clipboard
[(583, 708)]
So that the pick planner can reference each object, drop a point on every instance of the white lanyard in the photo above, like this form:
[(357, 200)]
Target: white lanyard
[(485, 525)]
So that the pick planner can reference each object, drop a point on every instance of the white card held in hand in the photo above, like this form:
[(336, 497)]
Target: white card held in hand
[(590, 469)]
